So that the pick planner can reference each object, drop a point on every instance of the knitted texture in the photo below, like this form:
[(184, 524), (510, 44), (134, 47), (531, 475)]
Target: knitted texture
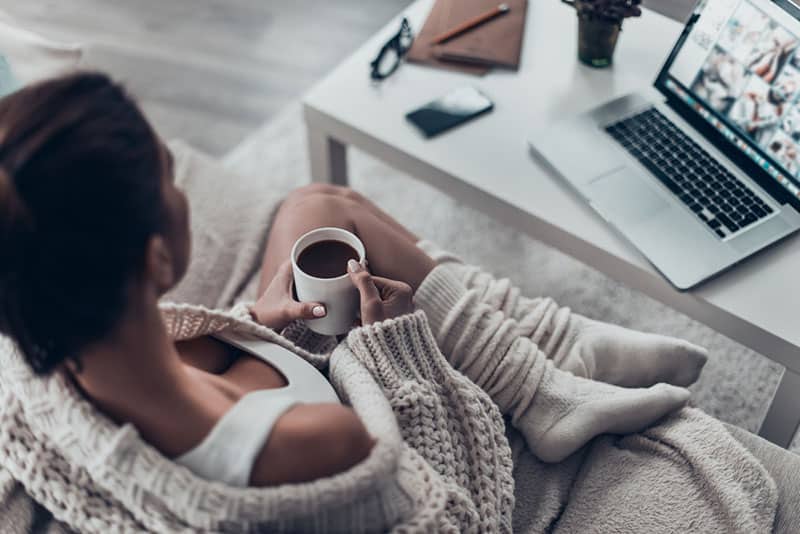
[(444, 468), (556, 411), (585, 347), (712, 484), (454, 426), (98, 477), (539, 319)]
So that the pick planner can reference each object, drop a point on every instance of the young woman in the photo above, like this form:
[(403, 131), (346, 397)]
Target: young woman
[(95, 231)]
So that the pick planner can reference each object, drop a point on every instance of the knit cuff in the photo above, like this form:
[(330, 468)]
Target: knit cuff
[(397, 350), (438, 254), (438, 295), (301, 335), (242, 311)]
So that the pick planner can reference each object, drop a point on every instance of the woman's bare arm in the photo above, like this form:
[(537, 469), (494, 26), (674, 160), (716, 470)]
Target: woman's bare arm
[(311, 441)]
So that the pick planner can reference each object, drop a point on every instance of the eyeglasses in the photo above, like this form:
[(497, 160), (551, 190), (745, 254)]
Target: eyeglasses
[(392, 52)]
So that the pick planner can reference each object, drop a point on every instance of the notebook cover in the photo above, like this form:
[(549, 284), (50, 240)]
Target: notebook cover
[(422, 50), (496, 42)]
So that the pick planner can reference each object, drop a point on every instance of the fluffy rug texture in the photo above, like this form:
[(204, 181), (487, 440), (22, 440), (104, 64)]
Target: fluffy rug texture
[(736, 385)]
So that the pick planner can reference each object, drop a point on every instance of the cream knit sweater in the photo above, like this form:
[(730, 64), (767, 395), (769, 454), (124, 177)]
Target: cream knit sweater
[(442, 462), (445, 467)]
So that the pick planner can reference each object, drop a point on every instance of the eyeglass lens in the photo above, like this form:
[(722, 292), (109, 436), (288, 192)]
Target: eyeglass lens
[(395, 48), (388, 62)]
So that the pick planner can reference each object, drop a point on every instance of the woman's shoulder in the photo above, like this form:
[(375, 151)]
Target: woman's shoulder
[(311, 441)]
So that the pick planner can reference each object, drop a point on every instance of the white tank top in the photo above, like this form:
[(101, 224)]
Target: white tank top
[(230, 449)]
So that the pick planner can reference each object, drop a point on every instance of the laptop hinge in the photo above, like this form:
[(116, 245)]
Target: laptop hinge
[(789, 6)]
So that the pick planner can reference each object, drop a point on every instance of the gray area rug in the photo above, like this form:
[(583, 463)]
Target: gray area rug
[(737, 384)]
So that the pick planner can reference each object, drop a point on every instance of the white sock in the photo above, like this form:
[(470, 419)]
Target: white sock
[(567, 411), (624, 357), (500, 350)]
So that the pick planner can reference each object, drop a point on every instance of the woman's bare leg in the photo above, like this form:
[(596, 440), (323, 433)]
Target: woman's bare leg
[(337, 190), (391, 249)]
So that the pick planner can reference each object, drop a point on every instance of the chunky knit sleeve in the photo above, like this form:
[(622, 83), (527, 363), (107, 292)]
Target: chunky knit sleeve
[(450, 422)]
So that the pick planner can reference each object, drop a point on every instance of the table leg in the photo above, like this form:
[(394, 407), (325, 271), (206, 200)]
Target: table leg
[(783, 417), (328, 158)]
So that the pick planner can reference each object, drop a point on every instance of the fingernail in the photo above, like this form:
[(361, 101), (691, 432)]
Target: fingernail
[(318, 311), (353, 266)]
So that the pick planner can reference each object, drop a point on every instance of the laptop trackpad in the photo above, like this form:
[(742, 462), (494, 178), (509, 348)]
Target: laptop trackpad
[(622, 195)]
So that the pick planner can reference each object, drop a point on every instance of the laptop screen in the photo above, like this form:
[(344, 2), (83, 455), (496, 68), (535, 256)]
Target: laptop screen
[(739, 69)]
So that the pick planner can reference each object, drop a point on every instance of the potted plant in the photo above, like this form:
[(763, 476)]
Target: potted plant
[(599, 24)]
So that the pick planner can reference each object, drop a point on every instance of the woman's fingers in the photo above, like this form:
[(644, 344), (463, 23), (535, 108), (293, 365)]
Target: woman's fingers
[(305, 310), (393, 286), (363, 281), (284, 275), (381, 298), (396, 296), (371, 305)]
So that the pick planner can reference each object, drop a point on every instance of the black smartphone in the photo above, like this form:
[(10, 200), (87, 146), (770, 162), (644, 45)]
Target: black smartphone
[(454, 108)]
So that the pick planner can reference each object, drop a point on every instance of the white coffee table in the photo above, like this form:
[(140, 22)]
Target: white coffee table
[(487, 165)]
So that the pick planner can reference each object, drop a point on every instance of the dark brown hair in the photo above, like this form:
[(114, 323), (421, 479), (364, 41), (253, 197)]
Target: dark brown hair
[(80, 194)]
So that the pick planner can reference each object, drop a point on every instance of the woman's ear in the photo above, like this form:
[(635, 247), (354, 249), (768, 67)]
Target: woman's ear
[(160, 265)]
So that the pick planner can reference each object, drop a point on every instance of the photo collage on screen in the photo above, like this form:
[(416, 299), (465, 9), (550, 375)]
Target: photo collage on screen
[(752, 76)]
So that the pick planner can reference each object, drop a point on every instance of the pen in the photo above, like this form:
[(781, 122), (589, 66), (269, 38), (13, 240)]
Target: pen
[(502, 9)]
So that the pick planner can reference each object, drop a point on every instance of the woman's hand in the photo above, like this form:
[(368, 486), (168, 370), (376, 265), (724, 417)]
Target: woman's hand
[(381, 298), (276, 308)]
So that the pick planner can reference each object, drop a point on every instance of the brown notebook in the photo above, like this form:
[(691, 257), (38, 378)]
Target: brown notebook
[(422, 49), (497, 42)]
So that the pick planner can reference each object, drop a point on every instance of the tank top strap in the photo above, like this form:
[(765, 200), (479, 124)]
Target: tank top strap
[(228, 452)]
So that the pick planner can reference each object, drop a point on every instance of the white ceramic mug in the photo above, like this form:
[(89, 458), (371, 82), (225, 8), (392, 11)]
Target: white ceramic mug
[(339, 296)]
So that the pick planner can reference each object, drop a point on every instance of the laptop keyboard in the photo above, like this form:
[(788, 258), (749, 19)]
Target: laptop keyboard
[(713, 194)]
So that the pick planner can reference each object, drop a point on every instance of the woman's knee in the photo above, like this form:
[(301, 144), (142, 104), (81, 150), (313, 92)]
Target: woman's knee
[(317, 209), (327, 190)]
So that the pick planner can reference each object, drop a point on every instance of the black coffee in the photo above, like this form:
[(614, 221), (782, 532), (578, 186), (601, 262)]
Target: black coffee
[(326, 259)]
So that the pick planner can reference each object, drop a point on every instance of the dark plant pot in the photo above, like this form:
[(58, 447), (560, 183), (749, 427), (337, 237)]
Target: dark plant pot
[(597, 39)]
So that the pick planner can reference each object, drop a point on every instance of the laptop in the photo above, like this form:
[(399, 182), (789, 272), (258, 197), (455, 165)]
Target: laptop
[(703, 169)]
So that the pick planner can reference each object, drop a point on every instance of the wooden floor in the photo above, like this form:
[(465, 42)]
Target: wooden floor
[(210, 71)]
